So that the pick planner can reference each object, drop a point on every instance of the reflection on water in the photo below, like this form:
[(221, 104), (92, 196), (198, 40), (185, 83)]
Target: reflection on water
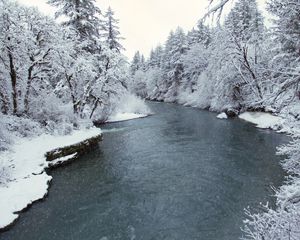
[(180, 174)]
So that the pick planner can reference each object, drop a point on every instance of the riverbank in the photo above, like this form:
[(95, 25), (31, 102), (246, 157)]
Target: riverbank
[(283, 222), (23, 177), (25, 163)]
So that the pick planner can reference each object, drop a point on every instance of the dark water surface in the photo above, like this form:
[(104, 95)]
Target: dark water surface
[(181, 174)]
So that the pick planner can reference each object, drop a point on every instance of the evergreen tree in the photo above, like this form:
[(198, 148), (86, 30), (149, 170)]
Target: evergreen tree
[(287, 25), (155, 57), (286, 36), (112, 33), (245, 27), (201, 34), (83, 16), (245, 22), (136, 63), (176, 47), (143, 66)]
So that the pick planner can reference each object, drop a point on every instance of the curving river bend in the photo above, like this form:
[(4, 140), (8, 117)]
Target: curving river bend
[(181, 174)]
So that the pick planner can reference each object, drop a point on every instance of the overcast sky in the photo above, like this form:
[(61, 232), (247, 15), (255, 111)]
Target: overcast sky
[(145, 23)]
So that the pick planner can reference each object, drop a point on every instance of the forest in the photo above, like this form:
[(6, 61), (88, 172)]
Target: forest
[(69, 73), (55, 76)]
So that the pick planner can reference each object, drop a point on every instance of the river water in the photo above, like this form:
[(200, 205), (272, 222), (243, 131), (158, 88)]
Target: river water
[(180, 174)]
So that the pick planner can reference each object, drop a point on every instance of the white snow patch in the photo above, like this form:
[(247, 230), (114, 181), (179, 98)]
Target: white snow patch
[(222, 116), (61, 160), (27, 180), (261, 119), (20, 193), (124, 117)]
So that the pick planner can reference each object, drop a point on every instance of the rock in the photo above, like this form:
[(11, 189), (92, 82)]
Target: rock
[(79, 148), (232, 113)]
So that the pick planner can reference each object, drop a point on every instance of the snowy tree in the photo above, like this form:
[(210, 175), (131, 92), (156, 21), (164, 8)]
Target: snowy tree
[(136, 63), (245, 22), (201, 34), (245, 28), (112, 33), (195, 61), (285, 64), (82, 16), (12, 51), (155, 59), (176, 47)]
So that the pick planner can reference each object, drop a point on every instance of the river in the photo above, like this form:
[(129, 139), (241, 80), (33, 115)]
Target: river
[(180, 174)]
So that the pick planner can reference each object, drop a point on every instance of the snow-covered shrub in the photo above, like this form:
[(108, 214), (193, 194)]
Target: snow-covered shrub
[(20, 126), (279, 224), (48, 107), (50, 111)]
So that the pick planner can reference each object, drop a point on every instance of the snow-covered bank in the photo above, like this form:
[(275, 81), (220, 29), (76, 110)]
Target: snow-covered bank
[(283, 222), (25, 163), (262, 120)]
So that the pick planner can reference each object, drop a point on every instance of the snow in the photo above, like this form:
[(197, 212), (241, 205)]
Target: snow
[(125, 116), (222, 116), (19, 194), (61, 160), (27, 180), (261, 119)]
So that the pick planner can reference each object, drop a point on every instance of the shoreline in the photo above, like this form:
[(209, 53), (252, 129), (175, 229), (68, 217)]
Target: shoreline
[(23, 188), (56, 151)]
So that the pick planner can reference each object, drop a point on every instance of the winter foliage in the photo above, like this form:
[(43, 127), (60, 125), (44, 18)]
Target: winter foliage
[(57, 76), (60, 73), (239, 64)]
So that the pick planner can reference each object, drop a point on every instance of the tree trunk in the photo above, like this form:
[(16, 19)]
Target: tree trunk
[(97, 101), (75, 105), (13, 77), (27, 93), (247, 65)]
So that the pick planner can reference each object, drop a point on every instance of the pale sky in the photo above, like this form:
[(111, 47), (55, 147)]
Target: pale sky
[(145, 23)]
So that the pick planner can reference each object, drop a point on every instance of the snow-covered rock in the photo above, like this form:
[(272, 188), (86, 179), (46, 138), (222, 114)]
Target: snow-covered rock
[(222, 116)]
